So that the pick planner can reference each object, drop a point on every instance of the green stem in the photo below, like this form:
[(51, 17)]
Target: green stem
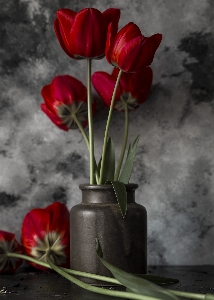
[(125, 138), (90, 123), (69, 271), (102, 278), (82, 131), (188, 295), (107, 126), (98, 290), (87, 143), (28, 258)]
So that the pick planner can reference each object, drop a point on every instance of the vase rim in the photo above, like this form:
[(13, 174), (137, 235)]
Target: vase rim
[(87, 186)]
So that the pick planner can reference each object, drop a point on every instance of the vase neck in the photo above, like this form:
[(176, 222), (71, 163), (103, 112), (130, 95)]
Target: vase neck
[(104, 194)]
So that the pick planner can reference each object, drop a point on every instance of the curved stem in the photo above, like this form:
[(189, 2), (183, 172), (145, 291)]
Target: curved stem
[(98, 290), (125, 138), (69, 271), (99, 277), (188, 295), (108, 124), (82, 131), (90, 122), (28, 258)]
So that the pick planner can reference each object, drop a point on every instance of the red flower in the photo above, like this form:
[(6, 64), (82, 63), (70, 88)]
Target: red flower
[(129, 49), (83, 34), (65, 98), (45, 230), (133, 87), (8, 243)]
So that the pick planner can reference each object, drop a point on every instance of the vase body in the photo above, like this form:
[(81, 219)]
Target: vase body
[(123, 240)]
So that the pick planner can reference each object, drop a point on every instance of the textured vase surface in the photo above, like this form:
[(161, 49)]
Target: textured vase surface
[(123, 240)]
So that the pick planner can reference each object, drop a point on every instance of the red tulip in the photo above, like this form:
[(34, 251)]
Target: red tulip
[(133, 87), (129, 49), (45, 230), (64, 97), (8, 243), (83, 34)]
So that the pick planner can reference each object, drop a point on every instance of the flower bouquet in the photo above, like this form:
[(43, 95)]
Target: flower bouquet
[(90, 34), (87, 35)]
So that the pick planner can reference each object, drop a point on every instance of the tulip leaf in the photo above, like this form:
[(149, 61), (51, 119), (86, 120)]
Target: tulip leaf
[(128, 165), (98, 167), (134, 283), (99, 249), (96, 170), (109, 161), (120, 191)]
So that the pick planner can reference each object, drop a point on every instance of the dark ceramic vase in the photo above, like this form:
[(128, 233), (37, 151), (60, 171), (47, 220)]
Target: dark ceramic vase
[(123, 240)]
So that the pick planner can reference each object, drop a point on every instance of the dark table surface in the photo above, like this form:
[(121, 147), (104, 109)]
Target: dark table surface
[(28, 284)]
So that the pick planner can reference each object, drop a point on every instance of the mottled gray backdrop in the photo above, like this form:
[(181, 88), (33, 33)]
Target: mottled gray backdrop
[(174, 165)]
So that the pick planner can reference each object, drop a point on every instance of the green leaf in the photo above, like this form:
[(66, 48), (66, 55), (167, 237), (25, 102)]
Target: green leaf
[(136, 284), (120, 191), (99, 249), (158, 279), (95, 170), (128, 165), (98, 167), (109, 162), (129, 291)]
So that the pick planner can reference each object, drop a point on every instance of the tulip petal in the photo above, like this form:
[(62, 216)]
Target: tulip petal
[(59, 34), (61, 98), (112, 15), (47, 229), (145, 54), (133, 88), (8, 243), (88, 34), (132, 57), (145, 82), (137, 84), (34, 227), (78, 89), (126, 84), (53, 117), (104, 84), (112, 18), (6, 236), (49, 101), (115, 72), (111, 35), (60, 223), (150, 47), (61, 91), (59, 217), (124, 36), (66, 19), (156, 40), (129, 82)]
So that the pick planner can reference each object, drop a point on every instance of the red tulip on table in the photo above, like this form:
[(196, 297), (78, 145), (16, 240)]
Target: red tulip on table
[(128, 49), (133, 87), (8, 243), (65, 97), (83, 34), (47, 230)]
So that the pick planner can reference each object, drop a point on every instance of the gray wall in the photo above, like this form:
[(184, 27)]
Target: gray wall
[(174, 166)]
